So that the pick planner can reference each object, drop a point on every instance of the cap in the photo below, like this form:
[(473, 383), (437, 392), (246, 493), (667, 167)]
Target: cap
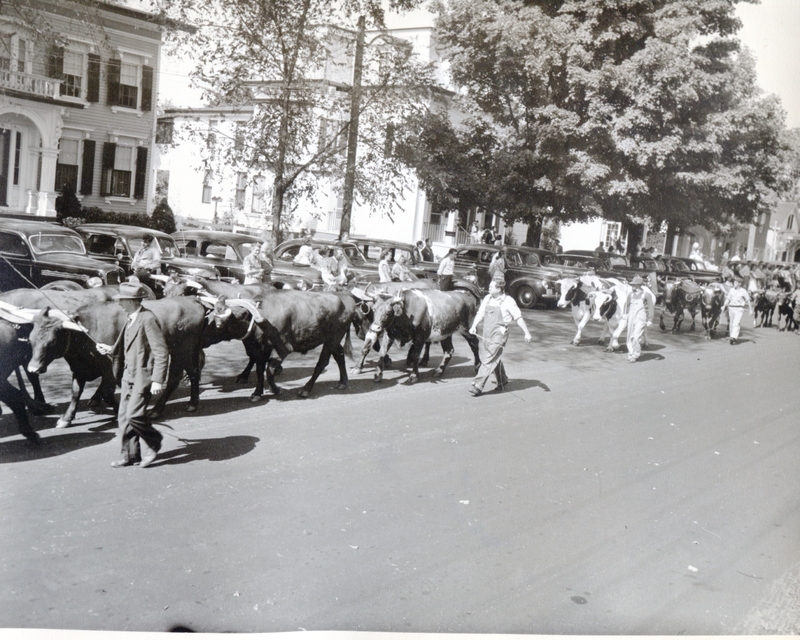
[(131, 291), (637, 280)]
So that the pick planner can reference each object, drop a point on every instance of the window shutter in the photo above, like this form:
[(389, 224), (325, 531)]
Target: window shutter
[(93, 81), (109, 151), (147, 88), (114, 70), (141, 172), (55, 63), (87, 168)]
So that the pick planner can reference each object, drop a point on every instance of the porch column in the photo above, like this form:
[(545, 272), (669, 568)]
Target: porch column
[(47, 185), (451, 229)]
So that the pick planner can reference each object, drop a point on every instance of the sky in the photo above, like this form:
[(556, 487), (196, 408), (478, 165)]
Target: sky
[(769, 29)]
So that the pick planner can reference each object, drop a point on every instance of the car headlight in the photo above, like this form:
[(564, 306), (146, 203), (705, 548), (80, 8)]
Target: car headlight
[(94, 282)]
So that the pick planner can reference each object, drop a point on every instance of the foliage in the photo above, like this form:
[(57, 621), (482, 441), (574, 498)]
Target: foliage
[(286, 58), (162, 218), (645, 110), (89, 215)]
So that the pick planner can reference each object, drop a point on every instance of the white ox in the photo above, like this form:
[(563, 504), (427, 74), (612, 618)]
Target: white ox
[(577, 293)]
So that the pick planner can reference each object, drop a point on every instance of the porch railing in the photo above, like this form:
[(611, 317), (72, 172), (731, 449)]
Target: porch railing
[(29, 83)]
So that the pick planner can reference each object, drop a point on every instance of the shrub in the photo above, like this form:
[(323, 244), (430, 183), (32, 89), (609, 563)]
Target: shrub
[(67, 203)]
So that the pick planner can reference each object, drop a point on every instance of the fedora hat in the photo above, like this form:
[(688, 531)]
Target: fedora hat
[(131, 291), (637, 280)]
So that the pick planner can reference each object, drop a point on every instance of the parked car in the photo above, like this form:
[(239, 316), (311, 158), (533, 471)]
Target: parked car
[(119, 243), (219, 250), (690, 268), (287, 270), (372, 249), (530, 277), (42, 254)]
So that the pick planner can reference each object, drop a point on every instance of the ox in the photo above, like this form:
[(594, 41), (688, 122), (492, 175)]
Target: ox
[(575, 294), (786, 312), (293, 320), (712, 298), (764, 303), (607, 306), (419, 316), (680, 295)]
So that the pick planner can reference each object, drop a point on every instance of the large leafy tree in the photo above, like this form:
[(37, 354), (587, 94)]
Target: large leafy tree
[(290, 59), (634, 110)]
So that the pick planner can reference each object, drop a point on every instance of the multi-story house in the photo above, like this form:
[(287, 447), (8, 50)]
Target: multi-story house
[(244, 199), (77, 106)]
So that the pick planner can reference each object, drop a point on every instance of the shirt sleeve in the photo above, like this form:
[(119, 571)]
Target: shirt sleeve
[(481, 311), (511, 312)]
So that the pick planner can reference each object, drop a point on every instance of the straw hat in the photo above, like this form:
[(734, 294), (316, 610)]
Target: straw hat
[(131, 291)]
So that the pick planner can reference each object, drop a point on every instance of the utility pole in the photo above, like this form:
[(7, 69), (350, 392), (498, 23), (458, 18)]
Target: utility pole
[(352, 132)]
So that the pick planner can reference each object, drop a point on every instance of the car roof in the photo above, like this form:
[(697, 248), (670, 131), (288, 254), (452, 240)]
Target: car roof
[(122, 229), (378, 241), (208, 234), (483, 247), (30, 226)]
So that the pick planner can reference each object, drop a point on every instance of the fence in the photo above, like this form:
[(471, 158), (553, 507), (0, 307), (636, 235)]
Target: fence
[(436, 233)]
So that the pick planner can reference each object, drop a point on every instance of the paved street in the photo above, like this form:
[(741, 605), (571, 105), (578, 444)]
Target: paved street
[(594, 496)]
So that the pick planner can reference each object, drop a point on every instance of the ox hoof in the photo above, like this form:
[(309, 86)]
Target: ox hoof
[(63, 424), (304, 393), (34, 439), (438, 373), (191, 408), (577, 342), (355, 371), (412, 379), (256, 398), (341, 386), (378, 377)]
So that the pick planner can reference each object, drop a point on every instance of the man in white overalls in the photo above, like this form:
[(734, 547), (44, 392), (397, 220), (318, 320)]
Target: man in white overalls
[(497, 311), (639, 312)]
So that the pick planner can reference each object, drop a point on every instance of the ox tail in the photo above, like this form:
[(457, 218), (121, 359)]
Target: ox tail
[(348, 345)]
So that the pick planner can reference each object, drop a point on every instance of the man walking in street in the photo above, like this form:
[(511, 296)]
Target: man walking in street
[(639, 312), (146, 357), (497, 311), (427, 251), (735, 302)]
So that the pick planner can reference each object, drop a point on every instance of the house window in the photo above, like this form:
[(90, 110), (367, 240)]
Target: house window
[(72, 80), (117, 175), (128, 85), (165, 130), (790, 222), (611, 232), (241, 189), (67, 165), (332, 136), (211, 139), (14, 54)]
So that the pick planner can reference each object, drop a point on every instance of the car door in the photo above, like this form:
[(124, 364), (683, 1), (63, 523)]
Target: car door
[(224, 258), (109, 248), (16, 269)]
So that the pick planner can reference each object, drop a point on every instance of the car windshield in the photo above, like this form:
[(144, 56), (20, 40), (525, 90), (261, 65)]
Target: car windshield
[(56, 243), (530, 259), (167, 246), (355, 257), (677, 265), (617, 261)]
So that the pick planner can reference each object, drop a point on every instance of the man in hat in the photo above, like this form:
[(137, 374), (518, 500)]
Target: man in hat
[(639, 312), (735, 301), (145, 355)]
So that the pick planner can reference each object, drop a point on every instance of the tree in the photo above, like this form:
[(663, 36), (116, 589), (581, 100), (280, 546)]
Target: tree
[(67, 203), (286, 57), (640, 111), (162, 218)]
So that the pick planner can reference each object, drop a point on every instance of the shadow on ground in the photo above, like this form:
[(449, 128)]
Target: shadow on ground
[(210, 449), (57, 444)]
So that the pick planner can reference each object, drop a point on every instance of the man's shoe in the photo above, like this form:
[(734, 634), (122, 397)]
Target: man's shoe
[(475, 391), (148, 459), (122, 463)]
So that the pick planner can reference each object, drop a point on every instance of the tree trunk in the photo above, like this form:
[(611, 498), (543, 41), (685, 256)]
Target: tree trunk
[(533, 238), (671, 228), (352, 133), (635, 233)]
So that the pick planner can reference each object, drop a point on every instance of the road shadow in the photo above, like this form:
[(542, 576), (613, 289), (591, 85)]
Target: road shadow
[(645, 357), (50, 446), (516, 385), (209, 449)]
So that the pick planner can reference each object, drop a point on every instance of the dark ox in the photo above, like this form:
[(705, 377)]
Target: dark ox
[(420, 316), (679, 296), (786, 312), (712, 298), (291, 321), (14, 354), (764, 303)]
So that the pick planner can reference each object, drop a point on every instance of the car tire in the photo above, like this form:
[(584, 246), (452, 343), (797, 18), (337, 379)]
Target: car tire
[(525, 296), (62, 285)]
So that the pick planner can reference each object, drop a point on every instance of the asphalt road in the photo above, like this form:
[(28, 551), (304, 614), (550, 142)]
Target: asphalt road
[(594, 496)]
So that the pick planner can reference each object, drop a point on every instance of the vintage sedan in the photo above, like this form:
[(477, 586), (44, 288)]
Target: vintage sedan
[(119, 243), (372, 249), (42, 254), (531, 273), (218, 250)]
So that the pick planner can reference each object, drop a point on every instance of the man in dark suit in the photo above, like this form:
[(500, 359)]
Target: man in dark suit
[(146, 357)]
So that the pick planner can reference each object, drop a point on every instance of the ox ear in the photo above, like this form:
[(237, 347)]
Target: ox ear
[(44, 313)]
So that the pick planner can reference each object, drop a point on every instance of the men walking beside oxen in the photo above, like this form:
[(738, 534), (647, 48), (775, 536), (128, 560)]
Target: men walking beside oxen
[(145, 354), (638, 311), (735, 301)]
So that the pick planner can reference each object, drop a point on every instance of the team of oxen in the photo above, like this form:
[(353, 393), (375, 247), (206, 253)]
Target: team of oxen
[(38, 327), (592, 298)]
